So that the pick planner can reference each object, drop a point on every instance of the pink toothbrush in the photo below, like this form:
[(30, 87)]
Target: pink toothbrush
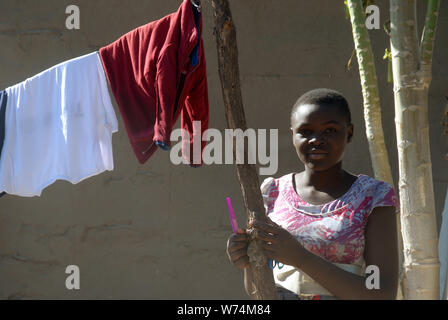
[(232, 216)]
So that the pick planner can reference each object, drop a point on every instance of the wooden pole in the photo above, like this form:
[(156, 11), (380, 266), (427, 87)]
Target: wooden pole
[(225, 33)]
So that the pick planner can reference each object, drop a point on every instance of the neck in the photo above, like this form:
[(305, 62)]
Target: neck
[(323, 180)]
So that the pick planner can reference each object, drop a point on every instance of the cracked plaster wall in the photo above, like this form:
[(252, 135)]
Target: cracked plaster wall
[(158, 231)]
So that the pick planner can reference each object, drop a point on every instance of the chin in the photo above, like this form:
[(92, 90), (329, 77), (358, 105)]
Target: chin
[(316, 166)]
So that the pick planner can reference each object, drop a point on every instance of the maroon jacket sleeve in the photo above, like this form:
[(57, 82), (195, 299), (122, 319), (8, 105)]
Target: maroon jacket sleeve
[(165, 88), (196, 109)]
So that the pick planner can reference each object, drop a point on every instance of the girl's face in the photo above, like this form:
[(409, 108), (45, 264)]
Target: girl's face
[(320, 134)]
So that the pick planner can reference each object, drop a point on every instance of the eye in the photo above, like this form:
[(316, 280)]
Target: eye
[(304, 132), (330, 130)]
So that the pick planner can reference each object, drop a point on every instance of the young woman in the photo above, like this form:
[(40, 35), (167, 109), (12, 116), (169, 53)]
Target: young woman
[(331, 234)]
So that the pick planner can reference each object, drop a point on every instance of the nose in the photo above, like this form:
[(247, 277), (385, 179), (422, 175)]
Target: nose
[(316, 140)]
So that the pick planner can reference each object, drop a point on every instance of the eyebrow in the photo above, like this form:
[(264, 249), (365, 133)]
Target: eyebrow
[(328, 122), (332, 121)]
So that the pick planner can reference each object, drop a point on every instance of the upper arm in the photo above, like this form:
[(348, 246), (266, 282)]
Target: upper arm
[(381, 246), (266, 187)]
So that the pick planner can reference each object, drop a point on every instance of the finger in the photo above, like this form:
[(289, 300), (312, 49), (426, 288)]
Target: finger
[(236, 246), (265, 227), (269, 247), (242, 263), (238, 237), (266, 237), (237, 255), (268, 221), (241, 231)]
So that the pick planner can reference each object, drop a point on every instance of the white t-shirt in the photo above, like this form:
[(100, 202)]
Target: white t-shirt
[(59, 125)]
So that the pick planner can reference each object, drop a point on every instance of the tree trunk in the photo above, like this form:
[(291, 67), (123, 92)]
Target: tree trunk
[(372, 108), (412, 77), (263, 280)]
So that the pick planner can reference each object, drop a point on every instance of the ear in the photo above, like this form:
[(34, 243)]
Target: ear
[(350, 133)]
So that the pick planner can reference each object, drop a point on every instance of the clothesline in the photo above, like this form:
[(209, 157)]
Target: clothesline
[(156, 73)]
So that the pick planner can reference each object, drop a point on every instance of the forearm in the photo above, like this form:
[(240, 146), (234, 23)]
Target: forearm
[(344, 285)]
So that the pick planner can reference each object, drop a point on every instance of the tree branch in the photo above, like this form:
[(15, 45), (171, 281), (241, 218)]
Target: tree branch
[(261, 275), (427, 41)]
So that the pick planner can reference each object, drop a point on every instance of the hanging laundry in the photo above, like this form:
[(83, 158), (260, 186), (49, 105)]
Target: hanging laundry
[(59, 125), (197, 21), (3, 99), (156, 74)]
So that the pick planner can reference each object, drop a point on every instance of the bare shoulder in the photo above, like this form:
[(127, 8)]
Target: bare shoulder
[(382, 223)]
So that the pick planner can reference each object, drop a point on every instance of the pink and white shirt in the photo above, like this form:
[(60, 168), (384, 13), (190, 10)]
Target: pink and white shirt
[(333, 231)]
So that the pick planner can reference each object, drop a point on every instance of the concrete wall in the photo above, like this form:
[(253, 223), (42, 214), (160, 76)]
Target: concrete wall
[(158, 231)]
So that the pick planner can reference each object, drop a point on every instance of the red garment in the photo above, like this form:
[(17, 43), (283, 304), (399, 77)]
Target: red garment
[(149, 69)]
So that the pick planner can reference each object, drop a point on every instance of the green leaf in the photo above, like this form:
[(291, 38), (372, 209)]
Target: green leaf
[(390, 72), (387, 55), (347, 11)]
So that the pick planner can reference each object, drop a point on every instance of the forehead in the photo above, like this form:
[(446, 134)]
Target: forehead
[(313, 114)]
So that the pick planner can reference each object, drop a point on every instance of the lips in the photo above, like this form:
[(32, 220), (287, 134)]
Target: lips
[(317, 154)]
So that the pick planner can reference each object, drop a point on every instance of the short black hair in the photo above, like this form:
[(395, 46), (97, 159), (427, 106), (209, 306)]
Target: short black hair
[(324, 96)]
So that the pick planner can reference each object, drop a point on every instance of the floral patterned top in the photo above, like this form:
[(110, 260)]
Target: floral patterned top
[(333, 231)]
